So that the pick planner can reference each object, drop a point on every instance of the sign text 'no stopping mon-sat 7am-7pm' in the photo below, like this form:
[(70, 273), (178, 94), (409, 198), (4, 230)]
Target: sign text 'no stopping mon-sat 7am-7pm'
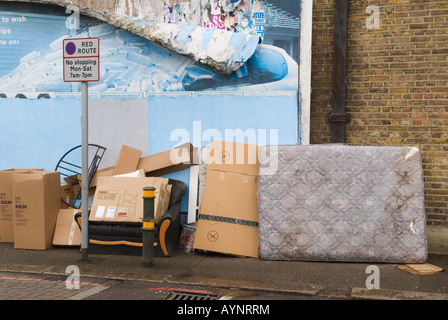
[(81, 59)]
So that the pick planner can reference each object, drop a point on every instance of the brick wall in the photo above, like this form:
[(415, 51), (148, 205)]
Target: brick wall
[(321, 70), (397, 84)]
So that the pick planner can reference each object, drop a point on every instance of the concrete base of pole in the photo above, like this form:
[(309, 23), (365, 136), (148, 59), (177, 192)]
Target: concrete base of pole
[(84, 255)]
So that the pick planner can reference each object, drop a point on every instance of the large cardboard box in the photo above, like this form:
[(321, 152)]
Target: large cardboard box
[(228, 217), (67, 232), (37, 200), (120, 199), (127, 161), (169, 161), (6, 203)]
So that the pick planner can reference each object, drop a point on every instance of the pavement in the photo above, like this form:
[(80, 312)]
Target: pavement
[(319, 280)]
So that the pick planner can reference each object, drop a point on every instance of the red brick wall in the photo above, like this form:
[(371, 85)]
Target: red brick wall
[(397, 84)]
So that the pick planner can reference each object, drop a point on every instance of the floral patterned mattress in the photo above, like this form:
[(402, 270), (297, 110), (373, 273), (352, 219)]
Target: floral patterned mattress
[(341, 203)]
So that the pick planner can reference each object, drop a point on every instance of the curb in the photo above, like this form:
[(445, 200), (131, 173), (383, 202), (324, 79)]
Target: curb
[(170, 279), (310, 290), (386, 294)]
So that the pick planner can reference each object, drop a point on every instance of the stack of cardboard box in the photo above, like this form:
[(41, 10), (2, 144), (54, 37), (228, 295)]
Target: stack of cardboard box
[(30, 203), (228, 215)]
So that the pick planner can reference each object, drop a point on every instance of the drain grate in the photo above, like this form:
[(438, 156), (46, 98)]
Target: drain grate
[(186, 295)]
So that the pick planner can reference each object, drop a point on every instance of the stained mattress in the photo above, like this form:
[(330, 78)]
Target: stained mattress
[(341, 203)]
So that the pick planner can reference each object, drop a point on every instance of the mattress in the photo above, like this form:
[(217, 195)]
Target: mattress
[(341, 203)]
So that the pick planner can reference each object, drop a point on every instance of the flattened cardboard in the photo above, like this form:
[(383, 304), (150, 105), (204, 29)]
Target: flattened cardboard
[(233, 157), (127, 161), (7, 205), (120, 199), (421, 269), (67, 232), (37, 202), (228, 216), (173, 160)]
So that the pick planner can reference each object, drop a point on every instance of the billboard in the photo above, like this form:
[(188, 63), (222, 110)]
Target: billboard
[(31, 62), (164, 91)]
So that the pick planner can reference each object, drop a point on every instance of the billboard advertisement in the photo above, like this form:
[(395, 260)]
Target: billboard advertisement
[(146, 92), (31, 56)]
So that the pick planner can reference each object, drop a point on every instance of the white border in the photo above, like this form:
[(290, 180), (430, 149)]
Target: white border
[(306, 31)]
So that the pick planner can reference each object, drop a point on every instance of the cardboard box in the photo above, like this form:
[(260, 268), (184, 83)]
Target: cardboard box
[(73, 179), (105, 172), (136, 174), (127, 161), (120, 199), (173, 160), (66, 194), (228, 217), (156, 165), (67, 232), (6, 203), (233, 157), (37, 200)]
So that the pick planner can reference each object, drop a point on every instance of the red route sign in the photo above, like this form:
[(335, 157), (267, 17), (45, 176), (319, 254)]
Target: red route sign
[(81, 59)]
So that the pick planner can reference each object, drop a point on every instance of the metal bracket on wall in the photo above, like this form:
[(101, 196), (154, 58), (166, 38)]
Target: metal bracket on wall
[(338, 116), (332, 117)]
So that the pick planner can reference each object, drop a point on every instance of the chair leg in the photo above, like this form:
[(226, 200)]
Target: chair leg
[(162, 234)]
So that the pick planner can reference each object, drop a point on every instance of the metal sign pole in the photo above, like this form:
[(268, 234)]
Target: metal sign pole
[(85, 52), (85, 169)]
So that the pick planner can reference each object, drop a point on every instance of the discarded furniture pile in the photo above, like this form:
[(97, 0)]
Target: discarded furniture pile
[(310, 203), (41, 209)]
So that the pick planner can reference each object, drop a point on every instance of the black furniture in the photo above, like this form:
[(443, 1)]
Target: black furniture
[(120, 238)]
